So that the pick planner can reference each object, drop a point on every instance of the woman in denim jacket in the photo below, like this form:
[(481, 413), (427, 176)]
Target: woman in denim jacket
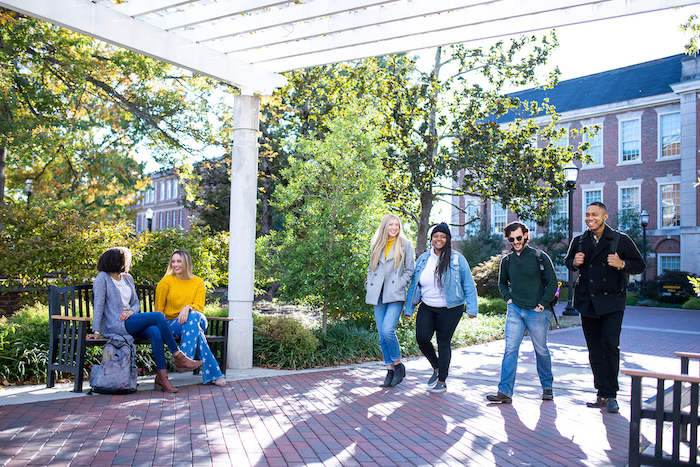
[(442, 284), (390, 269)]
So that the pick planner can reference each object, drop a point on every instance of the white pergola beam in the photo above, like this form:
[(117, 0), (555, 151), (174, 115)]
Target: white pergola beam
[(346, 51), (401, 23), (144, 7), (339, 23), (104, 23), (287, 16), (212, 12)]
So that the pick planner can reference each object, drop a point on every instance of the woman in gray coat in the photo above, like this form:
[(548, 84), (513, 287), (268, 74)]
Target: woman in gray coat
[(390, 270)]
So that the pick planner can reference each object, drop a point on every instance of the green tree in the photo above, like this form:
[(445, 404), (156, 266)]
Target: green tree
[(74, 110), (330, 202), (446, 138)]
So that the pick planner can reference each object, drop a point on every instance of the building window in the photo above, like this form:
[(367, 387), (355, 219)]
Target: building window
[(670, 137), (472, 212), (629, 140), (138, 223), (558, 221), (670, 205), (180, 216), (669, 263), (531, 226), (161, 219), (499, 218), (167, 219), (150, 194), (562, 142), (592, 196), (629, 206), (595, 151), (168, 189)]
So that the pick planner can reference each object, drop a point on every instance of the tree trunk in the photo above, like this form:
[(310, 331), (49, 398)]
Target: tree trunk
[(3, 164), (426, 205)]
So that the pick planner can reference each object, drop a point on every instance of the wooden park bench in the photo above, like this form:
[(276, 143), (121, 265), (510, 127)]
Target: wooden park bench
[(668, 406), (70, 322)]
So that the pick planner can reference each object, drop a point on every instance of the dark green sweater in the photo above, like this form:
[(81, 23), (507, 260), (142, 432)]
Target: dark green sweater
[(521, 281)]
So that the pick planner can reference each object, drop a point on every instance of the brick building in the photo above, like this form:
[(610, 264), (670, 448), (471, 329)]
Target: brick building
[(163, 197), (645, 157)]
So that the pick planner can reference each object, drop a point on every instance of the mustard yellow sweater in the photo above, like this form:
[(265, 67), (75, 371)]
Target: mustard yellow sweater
[(172, 294)]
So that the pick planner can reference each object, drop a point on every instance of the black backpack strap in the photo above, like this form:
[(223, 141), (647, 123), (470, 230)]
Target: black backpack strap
[(540, 262), (615, 242)]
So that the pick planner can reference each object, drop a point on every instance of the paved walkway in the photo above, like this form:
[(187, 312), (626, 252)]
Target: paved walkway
[(340, 417)]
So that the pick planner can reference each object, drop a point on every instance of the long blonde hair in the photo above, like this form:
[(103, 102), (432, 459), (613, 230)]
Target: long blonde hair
[(381, 238), (186, 264)]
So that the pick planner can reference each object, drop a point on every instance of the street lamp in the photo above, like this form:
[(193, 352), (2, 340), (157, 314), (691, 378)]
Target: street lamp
[(149, 217), (644, 221), (570, 175), (28, 188)]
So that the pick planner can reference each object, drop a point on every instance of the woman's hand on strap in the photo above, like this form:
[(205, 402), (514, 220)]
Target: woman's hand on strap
[(184, 313)]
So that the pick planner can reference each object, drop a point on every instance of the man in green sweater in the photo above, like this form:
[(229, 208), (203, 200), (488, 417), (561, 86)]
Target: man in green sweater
[(527, 296)]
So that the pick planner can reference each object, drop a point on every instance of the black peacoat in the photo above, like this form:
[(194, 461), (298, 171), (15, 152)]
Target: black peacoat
[(600, 288)]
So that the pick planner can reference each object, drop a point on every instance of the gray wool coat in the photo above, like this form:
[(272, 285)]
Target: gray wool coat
[(388, 282), (107, 305)]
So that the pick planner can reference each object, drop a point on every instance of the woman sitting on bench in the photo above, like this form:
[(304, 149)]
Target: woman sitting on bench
[(180, 296), (116, 311)]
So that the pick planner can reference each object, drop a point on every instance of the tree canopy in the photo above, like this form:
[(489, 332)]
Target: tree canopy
[(74, 109)]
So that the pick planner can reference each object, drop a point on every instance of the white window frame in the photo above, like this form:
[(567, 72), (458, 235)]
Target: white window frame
[(472, 206), (588, 187), (627, 184), (663, 112), (624, 118), (162, 190), (660, 182), (168, 189), (659, 257), (558, 214), (494, 229), (161, 219), (598, 137)]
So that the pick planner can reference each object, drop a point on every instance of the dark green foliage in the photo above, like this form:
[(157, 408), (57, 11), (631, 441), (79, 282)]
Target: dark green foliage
[(692, 304), (486, 277), (24, 344), (492, 306), (482, 246), (654, 287)]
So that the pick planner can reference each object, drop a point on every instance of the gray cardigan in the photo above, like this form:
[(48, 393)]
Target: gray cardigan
[(391, 281), (108, 306)]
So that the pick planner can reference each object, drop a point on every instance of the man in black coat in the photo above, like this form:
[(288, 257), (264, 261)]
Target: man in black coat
[(600, 296)]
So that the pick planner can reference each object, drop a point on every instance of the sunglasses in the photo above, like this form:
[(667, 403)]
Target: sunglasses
[(515, 239)]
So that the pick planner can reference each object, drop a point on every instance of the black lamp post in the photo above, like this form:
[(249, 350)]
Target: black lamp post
[(571, 175), (28, 188), (644, 221), (149, 217)]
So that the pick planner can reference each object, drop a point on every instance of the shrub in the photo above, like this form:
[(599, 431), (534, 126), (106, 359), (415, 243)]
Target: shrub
[(492, 306), (486, 277), (692, 304), (633, 299), (655, 291), (24, 344)]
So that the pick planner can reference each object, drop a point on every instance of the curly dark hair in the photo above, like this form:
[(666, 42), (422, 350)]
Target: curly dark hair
[(112, 260)]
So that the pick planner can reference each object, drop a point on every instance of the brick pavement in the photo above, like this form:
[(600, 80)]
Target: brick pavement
[(340, 417)]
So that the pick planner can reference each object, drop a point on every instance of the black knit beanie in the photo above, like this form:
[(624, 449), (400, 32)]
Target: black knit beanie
[(441, 227)]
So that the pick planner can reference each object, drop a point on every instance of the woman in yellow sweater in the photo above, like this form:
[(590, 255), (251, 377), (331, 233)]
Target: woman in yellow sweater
[(180, 297)]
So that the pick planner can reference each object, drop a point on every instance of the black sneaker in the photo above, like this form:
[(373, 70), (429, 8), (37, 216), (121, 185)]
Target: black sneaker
[(547, 395), (399, 373), (500, 397), (388, 379), (438, 388), (433, 379), (611, 405), (599, 403)]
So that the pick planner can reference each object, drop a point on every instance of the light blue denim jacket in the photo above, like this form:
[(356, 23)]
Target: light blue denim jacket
[(458, 284)]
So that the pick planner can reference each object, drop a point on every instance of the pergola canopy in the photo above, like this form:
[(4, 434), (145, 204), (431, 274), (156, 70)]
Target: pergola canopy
[(247, 43)]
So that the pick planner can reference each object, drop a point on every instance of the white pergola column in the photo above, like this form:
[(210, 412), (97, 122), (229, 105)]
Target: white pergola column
[(241, 253)]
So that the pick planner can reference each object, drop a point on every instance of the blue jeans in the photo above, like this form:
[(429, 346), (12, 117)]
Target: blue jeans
[(386, 315), (152, 326), (194, 344), (537, 324)]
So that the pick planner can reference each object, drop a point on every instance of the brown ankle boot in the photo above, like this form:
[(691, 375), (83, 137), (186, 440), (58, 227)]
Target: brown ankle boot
[(162, 382), (184, 363)]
